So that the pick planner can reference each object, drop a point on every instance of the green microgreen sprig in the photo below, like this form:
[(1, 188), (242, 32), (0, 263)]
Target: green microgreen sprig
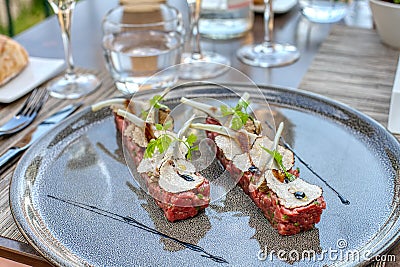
[(279, 160), (239, 114), (164, 141), (189, 143), (154, 103)]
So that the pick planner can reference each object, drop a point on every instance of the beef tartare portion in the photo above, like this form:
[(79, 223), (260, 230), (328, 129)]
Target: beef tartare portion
[(265, 170), (161, 159), (290, 206)]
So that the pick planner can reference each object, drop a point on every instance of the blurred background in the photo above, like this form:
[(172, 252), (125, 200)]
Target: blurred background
[(18, 15)]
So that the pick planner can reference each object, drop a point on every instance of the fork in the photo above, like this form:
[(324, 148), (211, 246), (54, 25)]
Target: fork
[(26, 114)]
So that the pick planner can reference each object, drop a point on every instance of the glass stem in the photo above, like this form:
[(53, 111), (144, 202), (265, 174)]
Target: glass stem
[(64, 16), (194, 29), (268, 23)]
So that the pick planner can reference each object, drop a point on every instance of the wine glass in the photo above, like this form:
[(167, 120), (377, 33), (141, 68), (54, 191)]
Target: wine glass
[(268, 53), (196, 60), (72, 85)]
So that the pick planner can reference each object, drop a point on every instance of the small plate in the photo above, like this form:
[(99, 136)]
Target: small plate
[(37, 71), (279, 6)]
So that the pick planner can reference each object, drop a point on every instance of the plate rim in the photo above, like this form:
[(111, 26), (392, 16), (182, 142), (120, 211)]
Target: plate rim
[(13, 199)]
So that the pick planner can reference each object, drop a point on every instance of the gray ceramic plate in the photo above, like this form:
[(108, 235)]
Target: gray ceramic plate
[(81, 160)]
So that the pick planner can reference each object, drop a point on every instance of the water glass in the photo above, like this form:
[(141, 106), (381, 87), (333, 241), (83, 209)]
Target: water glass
[(225, 19), (324, 11), (140, 41)]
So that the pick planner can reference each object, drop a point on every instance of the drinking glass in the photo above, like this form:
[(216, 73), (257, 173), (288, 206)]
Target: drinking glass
[(268, 53), (141, 40), (195, 67), (72, 85), (324, 11)]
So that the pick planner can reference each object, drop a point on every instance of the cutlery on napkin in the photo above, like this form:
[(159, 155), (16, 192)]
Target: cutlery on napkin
[(394, 112)]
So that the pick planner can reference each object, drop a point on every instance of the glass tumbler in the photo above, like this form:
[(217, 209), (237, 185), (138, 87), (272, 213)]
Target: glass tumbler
[(324, 11), (141, 40)]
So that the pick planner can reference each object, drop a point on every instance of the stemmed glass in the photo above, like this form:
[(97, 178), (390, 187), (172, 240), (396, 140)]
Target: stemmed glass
[(72, 85), (196, 60), (268, 53)]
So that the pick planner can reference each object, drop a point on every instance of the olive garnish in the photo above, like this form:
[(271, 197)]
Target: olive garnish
[(254, 169), (299, 194), (187, 177)]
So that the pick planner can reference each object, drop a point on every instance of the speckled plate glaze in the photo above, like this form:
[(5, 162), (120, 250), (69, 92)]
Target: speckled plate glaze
[(81, 162)]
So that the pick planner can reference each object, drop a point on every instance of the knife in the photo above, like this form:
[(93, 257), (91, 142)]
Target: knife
[(13, 152)]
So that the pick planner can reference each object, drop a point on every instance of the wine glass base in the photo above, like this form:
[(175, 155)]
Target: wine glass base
[(266, 56), (206, 65), (73, 86)]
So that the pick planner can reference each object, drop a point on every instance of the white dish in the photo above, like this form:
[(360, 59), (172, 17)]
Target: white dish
[(37, 71), (279, 6), (386, 16), (394, 111)]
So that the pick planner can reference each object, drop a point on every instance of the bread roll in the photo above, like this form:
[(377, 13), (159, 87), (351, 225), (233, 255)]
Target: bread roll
[(13, 59)]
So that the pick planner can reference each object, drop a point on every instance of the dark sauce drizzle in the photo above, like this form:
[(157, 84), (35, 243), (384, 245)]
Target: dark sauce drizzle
[(133, 222), (344, 200)]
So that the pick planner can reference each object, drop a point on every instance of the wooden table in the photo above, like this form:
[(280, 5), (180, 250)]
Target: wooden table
[(336, 71)]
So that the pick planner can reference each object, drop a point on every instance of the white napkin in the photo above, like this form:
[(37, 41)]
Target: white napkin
[(394, 112)]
